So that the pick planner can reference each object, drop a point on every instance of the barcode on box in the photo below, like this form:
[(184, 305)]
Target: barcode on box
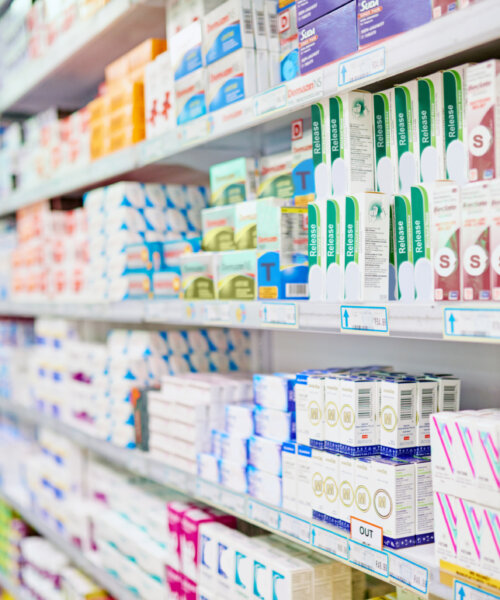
[(406, 412), (260, 24), (247, 21), (298, 290), (365, 403)]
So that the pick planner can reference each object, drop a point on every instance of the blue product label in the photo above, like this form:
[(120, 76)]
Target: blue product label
[(226, 42), (294, 283), (268, 275), (189, 63), (396, 543), (233, 90), (303, 178), (290, 65), (195, 107)]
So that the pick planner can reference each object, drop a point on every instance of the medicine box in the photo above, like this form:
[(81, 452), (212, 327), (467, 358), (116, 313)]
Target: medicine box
[(245, 225), (398, 417), (302, 164), (455, 124), (231, 79), (233, 181), (218, 228), (190, 99), (310, 10), (421, 204), (275, 176), (495, 239), (431, 127), (385, 148), (198, 272), (275, 391), (236, 275), (288, 34), (405, 123)]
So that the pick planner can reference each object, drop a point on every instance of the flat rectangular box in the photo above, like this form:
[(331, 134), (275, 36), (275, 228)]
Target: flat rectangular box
[(185, 50), (310, 10), (237, 275), (328, 38), (358, 436), (379, 19), (426, 405), (398, 417), (190, 96), (264, 486), (217, 224), (275, 176), (421, 203), (385, 148), (315, 411), (198, 272), (245, 225), (275, 391), (445, 526), (233, 181), (288, 34), (424, 508), (226, 29), (455, 124), (265, 454), (404, 121), (274, 424), (495, 239), (289, 476), (231, 79), (159, 109), (431, 127)]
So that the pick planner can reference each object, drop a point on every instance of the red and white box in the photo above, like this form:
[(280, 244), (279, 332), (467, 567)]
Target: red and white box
[(159, 96)]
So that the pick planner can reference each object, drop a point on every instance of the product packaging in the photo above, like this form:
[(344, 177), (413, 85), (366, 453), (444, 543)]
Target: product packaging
[(421, 200), (405, 124), (288, 34), (275, 176), (431, 128), (190, 101), (233, 181), (231, 79), (236, 275), (218, 228), (198, 276), (455, 124), (386, 164)]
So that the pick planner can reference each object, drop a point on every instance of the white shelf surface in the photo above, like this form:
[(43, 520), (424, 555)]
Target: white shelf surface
[(78, 558), (413, 568), (184, 155), (453, 321), (67, 76)]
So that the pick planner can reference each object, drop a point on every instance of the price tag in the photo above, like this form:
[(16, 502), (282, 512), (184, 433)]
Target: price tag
[(233, 116), (279, 314), (364, 319), (270, 101), (295, 527), (207, 491), (472, 323), (263, 514), (361, 67), (413, 575), (304, 90), (366, 533), (464, 591), (233, 501), (331, 542), (369, 558), (152, 150), (216, 312)]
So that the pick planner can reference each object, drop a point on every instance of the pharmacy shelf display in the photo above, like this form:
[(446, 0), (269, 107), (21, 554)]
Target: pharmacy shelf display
[(77, 557), (442, 42), (453, 321), (415, 568), (72, 69)]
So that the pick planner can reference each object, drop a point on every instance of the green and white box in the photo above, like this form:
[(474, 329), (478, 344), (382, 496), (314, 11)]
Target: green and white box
[(455, 124), (422, 249), (385, 148), (275, 176), (325, 222), (366, 247), (245, 225), (431, 128), (405, 124), (403, 249), (217, 223), (198, 276), (237, 275), (320, 115), (233, 181)]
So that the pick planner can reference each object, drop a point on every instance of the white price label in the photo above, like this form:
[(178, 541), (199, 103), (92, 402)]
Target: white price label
[(361, 67), (295, 527), (304, 90), (233, 501), (364, 319), (263, 514), (207, 491), (271, 100), (233, 115), (194, 131), (369, 558), (464, 591), (472, 323), (331, 542), (366, 533), (279, 314), (411, 574), (216, 312)]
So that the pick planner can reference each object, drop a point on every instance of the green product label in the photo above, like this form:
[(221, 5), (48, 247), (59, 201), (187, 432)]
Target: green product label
[(336, 129), (391, 236), (426, 114), (381, 127), (402, 236), (278, 187), (351, 230), (403, 120), (332, 233), (318, 120), (237, 287), (453, 108), (313, 235), (420, 223)]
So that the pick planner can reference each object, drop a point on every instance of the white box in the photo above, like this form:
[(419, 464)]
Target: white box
[(184, 48), (331, 482), (226, 29), (315, 410), (394, 500), (363, 506), (443, 470), (289, 476), (346, 491), (398, 417), (209, 535), (455, 124), (262, 71), (159, 96), (275, 391), (490, 553), (190, 101), (231, 79), (470, 526), (426, 404), (483, 119), (317, 490), (228, 543), (431, 128), (233, 447), (233, 476), (405, 124), (292, 578), (332, 427), (486, 463), (303, 507), (495, 239), (264, 486), (265, 454), (385, 148), (274, 424), (271, 12), (445, 526), (259, 24), (358, 436), (424, 509), (366, 247), (239, 419)]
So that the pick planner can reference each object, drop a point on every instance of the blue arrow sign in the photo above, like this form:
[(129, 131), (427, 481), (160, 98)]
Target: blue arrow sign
[(461, 593), (346, 318), (313, 535), (451, 320), (344, 71)]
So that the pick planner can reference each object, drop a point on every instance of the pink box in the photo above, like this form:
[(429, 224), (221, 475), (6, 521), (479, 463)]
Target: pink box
[(189, 589), (495, 239), (175, 512), (175, 584)]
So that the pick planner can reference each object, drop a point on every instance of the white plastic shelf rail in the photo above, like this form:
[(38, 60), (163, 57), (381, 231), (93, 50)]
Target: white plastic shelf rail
[(413, 568), (461, 34), (460, 321)]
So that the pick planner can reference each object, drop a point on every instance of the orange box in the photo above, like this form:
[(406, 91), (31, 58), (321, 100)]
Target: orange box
[(121, 94), (117, 69), (137, 74), (145, 52), (128, 115), (97, 108), (126, 137)]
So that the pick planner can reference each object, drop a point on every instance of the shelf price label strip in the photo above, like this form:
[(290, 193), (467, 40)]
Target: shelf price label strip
[(465, 591), (473, 324), (364, 319), (409, 573)]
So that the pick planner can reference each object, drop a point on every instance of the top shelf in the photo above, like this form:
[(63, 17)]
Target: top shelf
[(261, 123), (68, 75)]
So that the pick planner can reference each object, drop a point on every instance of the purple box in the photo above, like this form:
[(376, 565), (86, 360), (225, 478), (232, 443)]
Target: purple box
[(329, 38), (379, 19), (310, 10)]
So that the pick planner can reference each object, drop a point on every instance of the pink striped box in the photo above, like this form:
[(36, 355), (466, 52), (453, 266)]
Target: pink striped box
[(470, 527), (445, 526), (442, 437)]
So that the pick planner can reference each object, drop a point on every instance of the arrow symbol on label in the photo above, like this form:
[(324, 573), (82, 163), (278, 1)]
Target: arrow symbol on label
[(452, 320), (343, 71), (313, 535), (346, 319), (461, 593)]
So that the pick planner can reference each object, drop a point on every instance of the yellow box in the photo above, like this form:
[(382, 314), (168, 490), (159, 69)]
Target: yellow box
[(121, 94), (125, 137), (97, 108), (128, 115), (145, 52)]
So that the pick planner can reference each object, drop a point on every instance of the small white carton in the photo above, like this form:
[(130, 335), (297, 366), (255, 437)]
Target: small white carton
[(332, 427), (231, 79), (431, 128), (289, 477), (495, 239), (159, 96), (317, 489), (470, 526), (346, 491), (358, 435), (331, 487), (398, 417), (426, 405), (405, 123), (490, 551), (445, 526), (315, 411), (455, 124), (303, 507), (443, 470), (385, 148)]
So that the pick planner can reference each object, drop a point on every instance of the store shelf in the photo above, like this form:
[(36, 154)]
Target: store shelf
[(262, 123), (460, 321), (413, 568), (68, 75), (98, 575)]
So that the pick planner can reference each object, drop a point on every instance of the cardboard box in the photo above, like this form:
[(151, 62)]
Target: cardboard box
[(275, 176), (236, 275), (455, 124), (233, 181), (231, 79), (218, 228), (198, 272)]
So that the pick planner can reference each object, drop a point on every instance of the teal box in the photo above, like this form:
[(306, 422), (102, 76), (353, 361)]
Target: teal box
[(282, 263)]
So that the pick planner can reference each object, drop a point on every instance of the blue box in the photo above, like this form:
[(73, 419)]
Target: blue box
[(310, 10)]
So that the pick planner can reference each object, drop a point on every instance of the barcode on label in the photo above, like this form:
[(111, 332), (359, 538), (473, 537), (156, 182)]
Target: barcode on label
[(273, 25), (247, 21), (427, 402), (449, 398), (364, 403), (298, 290), (260, 23), (406, 406)]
